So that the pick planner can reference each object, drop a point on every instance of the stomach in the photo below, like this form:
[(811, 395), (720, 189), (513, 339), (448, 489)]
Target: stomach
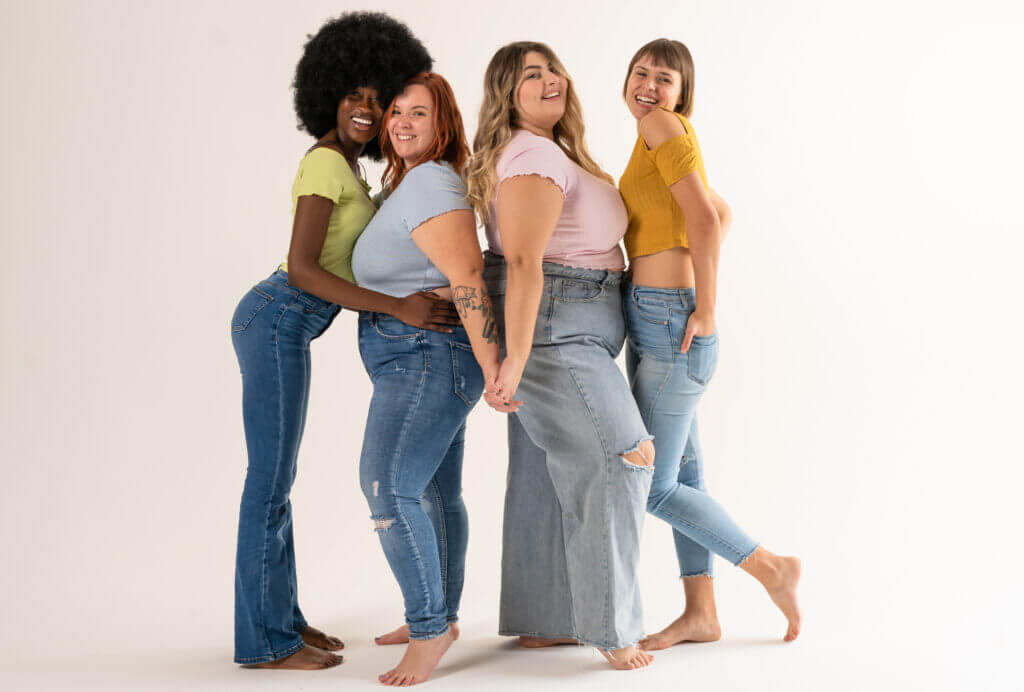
[(670, 268)]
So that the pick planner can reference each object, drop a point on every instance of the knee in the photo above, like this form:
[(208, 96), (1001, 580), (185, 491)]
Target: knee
[(642, 455)]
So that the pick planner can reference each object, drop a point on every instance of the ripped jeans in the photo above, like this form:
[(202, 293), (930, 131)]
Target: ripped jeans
[(668, 385), (574, 506), (424, 385)]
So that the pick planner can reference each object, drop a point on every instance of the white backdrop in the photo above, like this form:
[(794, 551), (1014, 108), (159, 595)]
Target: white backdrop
[(865, 413)]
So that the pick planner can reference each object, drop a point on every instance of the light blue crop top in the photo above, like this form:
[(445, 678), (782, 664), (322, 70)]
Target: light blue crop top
[(385, 258)]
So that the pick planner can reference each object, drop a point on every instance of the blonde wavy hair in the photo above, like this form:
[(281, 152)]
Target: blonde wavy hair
[(498, 122)]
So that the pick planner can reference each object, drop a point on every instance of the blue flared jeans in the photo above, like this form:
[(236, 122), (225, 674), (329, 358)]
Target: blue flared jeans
[(271, 330)]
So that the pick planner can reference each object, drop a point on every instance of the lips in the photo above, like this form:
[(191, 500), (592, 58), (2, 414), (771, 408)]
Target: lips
[(646, 100), (363, 123), (551, 96)]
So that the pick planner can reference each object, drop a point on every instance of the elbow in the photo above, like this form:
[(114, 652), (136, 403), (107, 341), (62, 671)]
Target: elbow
[(298, 274), (521, 262), (706, 227)]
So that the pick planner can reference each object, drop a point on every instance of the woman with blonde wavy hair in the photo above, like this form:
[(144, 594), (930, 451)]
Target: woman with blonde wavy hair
[(579, 454)]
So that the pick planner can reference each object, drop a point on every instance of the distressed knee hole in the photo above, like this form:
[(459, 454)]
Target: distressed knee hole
[(642, 455), (382, 524)]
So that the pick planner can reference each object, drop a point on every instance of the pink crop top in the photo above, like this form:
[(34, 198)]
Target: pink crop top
[(593, 218)]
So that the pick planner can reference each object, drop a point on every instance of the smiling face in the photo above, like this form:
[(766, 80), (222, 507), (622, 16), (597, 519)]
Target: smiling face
[(411, 124), (359, 115), (540, 95), (650, 86)]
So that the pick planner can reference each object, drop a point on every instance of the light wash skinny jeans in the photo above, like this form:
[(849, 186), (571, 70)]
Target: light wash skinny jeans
[(574, 507), (424, 385), (668, 385)]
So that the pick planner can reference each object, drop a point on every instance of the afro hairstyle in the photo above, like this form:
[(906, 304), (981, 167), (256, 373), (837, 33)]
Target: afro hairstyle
[(356, 49)]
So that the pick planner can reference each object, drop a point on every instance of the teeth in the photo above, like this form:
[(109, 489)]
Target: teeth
[(362, 121), (552, 95), (644, 99), (405, 138)]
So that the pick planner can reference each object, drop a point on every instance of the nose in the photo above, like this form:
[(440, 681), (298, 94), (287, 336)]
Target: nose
[(369, 103)]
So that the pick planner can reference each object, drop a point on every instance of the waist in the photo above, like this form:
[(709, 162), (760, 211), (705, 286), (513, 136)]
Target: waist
[(683, 298), (670, 268), (494, 266), (279, 281)]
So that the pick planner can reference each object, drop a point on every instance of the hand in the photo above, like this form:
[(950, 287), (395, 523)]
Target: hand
[(500, 386), (699, 324), (426, 310)]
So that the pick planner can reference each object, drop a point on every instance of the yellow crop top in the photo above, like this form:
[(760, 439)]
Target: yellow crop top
[(325, 173), (656, 222)]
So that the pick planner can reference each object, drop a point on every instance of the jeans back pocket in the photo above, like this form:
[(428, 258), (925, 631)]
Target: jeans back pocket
[(250, 305)]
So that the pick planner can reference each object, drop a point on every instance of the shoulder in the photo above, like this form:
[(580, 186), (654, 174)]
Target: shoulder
[(434, 175), (659, 126), (524, 142)]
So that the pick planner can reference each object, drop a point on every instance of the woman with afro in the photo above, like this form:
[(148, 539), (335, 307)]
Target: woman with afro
[(349, 68)]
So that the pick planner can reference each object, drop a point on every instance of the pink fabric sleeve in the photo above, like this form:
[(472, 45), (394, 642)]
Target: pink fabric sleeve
[(538, 156)]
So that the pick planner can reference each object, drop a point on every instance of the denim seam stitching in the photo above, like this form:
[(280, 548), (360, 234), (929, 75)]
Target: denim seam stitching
[(608, 489), (395, 466), (272, 656), (443, 540)]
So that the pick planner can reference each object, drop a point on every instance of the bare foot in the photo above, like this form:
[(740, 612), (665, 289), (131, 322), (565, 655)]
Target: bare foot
[(782, 591), (688, 627), (628, 658), (541, 642), (314, 637), (306, 658), (421, 657), (401, 635)]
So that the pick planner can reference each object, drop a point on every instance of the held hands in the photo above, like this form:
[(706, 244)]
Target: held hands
[(427, 310), (501, 382), (698, 324)]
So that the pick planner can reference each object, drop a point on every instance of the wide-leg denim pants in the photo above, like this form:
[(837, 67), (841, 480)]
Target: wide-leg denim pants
[(574, 506), (668, 385), (271, 330), (425, 383)]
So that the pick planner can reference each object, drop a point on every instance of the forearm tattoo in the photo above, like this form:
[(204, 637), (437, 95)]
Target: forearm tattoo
[(467, 299)]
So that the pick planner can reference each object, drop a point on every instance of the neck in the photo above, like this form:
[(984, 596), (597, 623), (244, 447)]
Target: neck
[(351, 150)]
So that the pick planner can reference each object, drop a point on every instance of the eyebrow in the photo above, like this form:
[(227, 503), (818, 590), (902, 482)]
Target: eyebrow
[(661, 72)]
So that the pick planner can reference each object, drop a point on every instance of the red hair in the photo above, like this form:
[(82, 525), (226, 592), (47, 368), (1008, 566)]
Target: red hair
[(449, 135)]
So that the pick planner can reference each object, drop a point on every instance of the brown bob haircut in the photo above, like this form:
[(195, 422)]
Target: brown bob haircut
[(449, 134), (665, 52)]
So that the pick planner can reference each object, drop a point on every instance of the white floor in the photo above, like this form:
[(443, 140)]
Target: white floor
[(831, 655)]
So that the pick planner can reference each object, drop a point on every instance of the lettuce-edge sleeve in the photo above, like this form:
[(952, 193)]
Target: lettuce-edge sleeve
[(434, 189), (543, 158), (323, 174)]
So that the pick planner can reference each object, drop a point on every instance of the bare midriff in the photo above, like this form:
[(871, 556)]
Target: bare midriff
[(670, 268)]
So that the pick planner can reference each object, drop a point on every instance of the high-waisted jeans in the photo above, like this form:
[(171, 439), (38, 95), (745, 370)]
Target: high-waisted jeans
[(271, 330), (574, 506), (424, 385), (668, 386)]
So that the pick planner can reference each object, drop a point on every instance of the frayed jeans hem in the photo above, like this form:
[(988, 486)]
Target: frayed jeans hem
[(579, 640), (250, 660)]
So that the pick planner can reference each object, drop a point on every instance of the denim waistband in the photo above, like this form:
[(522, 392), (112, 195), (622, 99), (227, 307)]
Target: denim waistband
[(280, 279), (684, 296), (608, 277)]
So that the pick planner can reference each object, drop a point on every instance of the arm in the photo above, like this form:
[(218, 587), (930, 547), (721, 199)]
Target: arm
[(309, 230), (723, 210), (528, 209), (703, 228), (450, 242)]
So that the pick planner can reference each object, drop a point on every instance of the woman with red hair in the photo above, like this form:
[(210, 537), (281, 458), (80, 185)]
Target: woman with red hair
[(425, 383)]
